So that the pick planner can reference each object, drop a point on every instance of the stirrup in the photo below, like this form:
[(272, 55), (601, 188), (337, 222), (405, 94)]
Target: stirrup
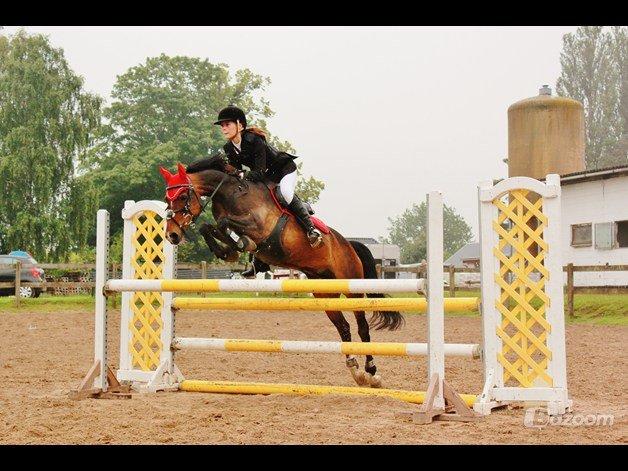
[(315, 237)]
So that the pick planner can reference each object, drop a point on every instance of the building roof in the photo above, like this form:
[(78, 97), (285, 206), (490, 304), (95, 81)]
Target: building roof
[(469, 251), (364, 240), (594, 174)]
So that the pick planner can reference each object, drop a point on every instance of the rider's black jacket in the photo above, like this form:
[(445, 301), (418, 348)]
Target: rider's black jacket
[(260, 156)]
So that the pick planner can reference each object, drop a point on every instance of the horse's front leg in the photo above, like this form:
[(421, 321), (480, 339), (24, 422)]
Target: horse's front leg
[(224, 252), (234, 232), (220, 235)]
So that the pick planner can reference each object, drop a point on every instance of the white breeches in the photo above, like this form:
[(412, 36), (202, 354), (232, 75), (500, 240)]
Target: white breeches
[(286, 186)]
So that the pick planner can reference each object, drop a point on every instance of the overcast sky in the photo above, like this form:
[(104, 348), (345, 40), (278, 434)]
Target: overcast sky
[(382, 115)]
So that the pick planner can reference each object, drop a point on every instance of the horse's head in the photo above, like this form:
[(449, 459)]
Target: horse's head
[(184, 204)]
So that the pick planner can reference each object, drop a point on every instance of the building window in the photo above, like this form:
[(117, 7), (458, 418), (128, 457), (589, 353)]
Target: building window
[(581, 235), (622, 233), (605, 235)]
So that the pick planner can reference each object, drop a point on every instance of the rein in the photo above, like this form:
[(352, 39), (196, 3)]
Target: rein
[(186, 209)]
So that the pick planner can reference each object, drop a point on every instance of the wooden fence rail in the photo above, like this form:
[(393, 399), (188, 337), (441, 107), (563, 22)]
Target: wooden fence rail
[(114, 270), (419, 269), (570, 269)]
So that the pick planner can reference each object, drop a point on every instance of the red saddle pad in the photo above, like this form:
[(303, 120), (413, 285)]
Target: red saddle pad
[(320, 225)]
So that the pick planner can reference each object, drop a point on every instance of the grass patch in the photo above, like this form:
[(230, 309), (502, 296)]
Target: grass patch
[(46, 303), (600, 309), (593, 309)]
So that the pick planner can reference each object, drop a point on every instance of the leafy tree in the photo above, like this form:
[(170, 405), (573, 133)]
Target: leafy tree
[(162, 113), (593, 63), (47, 123), (620, 35), (308, 189), (409, 232)]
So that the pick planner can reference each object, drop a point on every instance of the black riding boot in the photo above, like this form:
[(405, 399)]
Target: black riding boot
[(299, 209), (256, 267)]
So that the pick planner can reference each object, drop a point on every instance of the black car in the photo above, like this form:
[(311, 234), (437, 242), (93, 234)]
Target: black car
[(30, 273)]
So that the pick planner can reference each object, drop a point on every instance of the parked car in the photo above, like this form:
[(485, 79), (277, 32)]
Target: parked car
[(30, 273)]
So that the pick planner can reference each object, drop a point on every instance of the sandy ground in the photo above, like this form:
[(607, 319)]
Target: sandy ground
[(43, 355)]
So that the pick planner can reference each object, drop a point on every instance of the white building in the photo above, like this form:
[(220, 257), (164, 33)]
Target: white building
[(387, 255), (594, 228), (595, 224)]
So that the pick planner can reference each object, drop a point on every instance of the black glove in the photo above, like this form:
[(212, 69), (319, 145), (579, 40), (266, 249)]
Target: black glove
[(254, 176)]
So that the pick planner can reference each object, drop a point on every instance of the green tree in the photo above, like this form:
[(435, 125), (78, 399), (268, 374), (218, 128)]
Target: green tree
[(309, 189), (620, 35), (409, 232), (162, 113), (592, 61), (47, 123)]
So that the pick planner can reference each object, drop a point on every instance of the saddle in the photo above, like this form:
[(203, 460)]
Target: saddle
[(272, 244), (319, 224)]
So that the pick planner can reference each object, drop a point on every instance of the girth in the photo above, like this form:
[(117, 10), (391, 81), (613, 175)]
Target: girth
[(272, 244)]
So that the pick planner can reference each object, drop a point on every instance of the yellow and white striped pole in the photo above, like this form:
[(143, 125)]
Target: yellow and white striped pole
[(468, 350), (270, 286), (322, 304)]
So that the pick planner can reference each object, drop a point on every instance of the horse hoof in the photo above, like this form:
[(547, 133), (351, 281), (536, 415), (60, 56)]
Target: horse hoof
[(375, 381), (249, 244), (363, 379), (359, 377)]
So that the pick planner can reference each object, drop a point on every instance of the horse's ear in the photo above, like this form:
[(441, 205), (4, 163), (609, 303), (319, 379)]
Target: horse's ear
[(182, 172), (165, 173)]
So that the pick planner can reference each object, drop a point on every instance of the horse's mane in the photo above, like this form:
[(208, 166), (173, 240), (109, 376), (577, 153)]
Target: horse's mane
[(215, 162)]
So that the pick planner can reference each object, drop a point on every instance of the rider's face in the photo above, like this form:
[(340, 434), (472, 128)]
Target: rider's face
[(230, 129)]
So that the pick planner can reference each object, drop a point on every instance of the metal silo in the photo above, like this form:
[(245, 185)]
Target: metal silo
[(545, 135)]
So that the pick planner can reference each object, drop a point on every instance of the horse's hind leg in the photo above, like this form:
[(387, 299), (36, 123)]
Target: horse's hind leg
[(344, 329), (374, 380)]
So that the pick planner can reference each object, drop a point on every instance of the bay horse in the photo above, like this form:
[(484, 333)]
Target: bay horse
[(248, 218)]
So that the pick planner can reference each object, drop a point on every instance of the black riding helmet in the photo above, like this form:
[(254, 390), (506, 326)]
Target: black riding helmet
[(231, 113)]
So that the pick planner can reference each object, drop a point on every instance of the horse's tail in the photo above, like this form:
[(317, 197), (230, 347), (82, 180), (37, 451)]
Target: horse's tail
[(380, 320)]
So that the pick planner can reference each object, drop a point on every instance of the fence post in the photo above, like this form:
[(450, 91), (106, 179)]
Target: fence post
[(452, 281), (378, 269), (204, 275), (114, 275), (18, 272), (570, 289)]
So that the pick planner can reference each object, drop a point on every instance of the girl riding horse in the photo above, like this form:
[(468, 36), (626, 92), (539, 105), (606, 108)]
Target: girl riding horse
[(248, 147)]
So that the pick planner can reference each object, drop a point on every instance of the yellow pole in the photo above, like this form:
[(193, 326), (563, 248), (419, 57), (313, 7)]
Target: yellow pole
[(227, 387), (322, 304)]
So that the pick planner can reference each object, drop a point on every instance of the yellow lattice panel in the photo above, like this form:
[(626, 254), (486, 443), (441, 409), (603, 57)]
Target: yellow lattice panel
[(147, 260), (522, 279)]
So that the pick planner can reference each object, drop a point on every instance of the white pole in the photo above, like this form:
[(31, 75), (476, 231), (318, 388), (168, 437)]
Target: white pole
[(554, 287), (100, 320), (128, 272), (435, 296)]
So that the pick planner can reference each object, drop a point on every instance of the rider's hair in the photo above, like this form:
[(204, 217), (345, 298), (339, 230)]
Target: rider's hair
[(256, 130)]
